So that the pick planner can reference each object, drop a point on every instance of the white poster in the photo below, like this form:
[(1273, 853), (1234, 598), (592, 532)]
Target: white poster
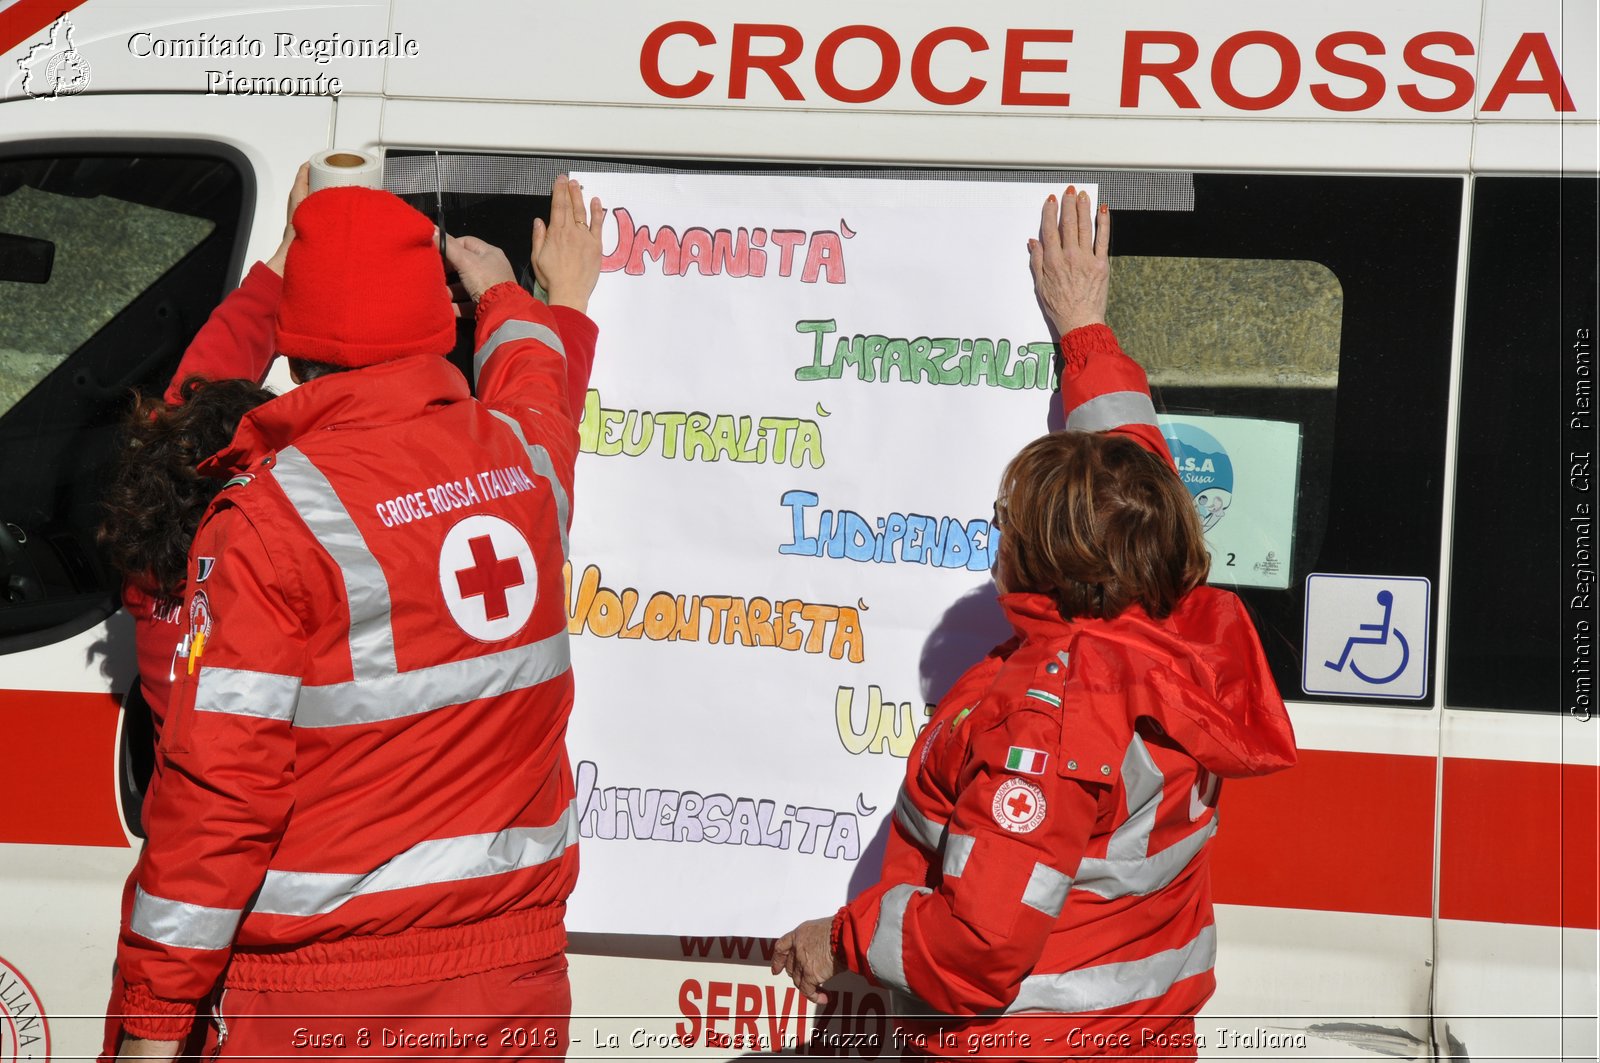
[(805, 392), (1244, 477)]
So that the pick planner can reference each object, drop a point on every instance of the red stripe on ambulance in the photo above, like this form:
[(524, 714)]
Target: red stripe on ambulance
[(1339, 832), (62, 753)]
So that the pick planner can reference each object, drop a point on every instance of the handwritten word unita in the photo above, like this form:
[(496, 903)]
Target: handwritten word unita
[(888, 727)]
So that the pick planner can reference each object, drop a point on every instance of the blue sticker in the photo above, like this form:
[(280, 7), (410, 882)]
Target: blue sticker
[(1205, 468)]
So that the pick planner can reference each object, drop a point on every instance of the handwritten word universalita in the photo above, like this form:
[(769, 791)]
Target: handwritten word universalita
[(778, 623), (742, 252), (620, 812)]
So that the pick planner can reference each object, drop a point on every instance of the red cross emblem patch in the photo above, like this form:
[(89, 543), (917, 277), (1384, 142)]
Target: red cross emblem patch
[(488, 578), (1018, 806)]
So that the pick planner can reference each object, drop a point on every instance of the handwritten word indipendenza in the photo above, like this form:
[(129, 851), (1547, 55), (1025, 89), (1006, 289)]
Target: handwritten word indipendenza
[(928, 360), (618, 812), (728, 252), (783, 624), (699, 436), (916, 539)]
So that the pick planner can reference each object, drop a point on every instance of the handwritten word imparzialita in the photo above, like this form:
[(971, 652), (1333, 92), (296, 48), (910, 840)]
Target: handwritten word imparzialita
[(945, 360)]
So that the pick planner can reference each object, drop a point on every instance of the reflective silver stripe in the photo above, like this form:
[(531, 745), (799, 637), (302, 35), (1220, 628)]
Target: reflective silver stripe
[(1113, 985), (928, 833), (886, 954), (544, 468), (1112, 410), (514, 330), (180, 925), (237, 692), (1142, 781), (1046, 697), (957, 851), (365, 588), (1047, 890), (437, 686), (307, 893), (1127, 868), (1112, 878)]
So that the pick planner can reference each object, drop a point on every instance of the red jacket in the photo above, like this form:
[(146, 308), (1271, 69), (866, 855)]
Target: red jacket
[(237, 342), (1049, 849), (363, 779)]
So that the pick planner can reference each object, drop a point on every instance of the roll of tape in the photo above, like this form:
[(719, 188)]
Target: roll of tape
[(339, 168)]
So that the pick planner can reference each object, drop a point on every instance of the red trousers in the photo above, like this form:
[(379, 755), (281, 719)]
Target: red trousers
[(517, 1012)]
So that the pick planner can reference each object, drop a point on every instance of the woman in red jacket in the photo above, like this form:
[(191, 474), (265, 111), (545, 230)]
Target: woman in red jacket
[(1046, 887), (157, 497)]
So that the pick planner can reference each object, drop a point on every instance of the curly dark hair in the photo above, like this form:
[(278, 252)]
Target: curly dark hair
[(156, 497), (1098, 523)]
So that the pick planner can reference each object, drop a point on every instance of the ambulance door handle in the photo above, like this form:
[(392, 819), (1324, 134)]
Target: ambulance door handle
[(136, 757)]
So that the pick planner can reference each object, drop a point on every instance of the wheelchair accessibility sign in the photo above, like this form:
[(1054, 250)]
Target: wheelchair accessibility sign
[(1366, 635)]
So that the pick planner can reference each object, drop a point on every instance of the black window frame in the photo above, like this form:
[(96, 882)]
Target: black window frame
[(1394, 243), (65, 429), (1533, 282)]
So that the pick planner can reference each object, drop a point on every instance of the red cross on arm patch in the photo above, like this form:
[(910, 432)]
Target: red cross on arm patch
[(1018, 806)]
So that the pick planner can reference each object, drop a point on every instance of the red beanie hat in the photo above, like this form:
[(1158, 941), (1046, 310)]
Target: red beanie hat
[(363, 282)]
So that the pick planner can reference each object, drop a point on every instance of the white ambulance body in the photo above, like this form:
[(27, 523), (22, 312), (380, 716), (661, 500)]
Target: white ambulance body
[(1423, 884)]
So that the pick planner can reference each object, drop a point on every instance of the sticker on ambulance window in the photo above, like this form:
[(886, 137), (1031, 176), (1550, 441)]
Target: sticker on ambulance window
[(1366, 635), (1243, 475)]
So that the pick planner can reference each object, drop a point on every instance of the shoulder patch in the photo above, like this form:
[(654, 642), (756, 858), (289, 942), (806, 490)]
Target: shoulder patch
[(1018, 806), (239, 481), (1027, 761)]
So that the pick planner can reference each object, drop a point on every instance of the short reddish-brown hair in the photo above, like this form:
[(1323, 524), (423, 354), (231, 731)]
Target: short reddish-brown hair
[(1098, 523)]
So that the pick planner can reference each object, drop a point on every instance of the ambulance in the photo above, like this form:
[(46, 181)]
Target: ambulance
[(1383, 215)]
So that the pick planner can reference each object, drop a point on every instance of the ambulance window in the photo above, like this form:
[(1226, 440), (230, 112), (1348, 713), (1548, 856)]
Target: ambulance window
[(111, 256), (1304, 322), (1523, 562)]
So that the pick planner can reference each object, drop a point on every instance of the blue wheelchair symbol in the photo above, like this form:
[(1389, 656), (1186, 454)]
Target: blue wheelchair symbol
[(1384, 631)]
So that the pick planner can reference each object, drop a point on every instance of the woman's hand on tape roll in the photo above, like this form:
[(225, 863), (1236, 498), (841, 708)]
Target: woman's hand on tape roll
[(297, 192), (479, 265), (566, 251)]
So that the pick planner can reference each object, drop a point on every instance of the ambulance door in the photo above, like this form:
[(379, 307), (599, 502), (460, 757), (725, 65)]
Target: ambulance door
[(123, 220), (1517, 906)]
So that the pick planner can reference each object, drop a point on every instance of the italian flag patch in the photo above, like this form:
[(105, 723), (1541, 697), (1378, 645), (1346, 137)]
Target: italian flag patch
[(1026, 761)]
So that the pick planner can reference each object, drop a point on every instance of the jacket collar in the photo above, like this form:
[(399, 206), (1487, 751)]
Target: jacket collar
[(386, 393), (1199, 673)]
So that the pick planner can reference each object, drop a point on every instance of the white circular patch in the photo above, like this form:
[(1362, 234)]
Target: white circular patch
[(488, 577), (24, 1030), (1018, 806)]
